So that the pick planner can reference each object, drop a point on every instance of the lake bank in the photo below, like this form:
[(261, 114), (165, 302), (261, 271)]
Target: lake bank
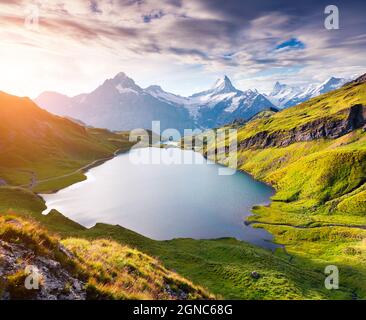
[(165, 201)]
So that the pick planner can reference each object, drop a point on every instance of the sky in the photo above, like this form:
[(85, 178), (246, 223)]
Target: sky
[(72, 46)]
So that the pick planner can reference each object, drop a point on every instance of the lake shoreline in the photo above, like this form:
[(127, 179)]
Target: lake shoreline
[(246, 221), (84, 170), (204, 213)]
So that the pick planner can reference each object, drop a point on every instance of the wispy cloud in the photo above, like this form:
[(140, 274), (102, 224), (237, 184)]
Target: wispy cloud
[(79, 43)]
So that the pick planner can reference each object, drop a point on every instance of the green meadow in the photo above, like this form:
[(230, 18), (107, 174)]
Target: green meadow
[(222, 266), (319, 209)]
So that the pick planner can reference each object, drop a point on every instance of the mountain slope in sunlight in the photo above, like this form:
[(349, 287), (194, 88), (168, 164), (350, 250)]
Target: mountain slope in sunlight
[(78, 269), (36, 145), (314, 152)]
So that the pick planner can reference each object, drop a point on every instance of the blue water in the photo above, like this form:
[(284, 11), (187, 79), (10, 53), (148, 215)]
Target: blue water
[(151, 191)]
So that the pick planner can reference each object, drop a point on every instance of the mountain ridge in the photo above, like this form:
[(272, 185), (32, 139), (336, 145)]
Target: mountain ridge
[(120, 104), (32, 135), (286, 96)]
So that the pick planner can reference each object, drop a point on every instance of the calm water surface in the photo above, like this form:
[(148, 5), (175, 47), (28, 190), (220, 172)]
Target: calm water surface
[(166, 199)]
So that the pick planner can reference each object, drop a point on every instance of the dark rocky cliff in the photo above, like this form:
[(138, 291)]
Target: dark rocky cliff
[(323, 128)]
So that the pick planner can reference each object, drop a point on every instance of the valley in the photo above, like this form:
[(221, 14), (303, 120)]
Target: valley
[(194, 151), (319, 182)]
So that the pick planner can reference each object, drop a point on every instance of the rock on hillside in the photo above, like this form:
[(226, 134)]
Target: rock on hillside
[(325, 127), (75, 268), (56, 283)]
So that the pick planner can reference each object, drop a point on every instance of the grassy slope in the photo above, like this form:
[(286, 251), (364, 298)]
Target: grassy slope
[(36, 145), (109, 269), (320, 184), (330, 105), (223, 266), (41, 152)]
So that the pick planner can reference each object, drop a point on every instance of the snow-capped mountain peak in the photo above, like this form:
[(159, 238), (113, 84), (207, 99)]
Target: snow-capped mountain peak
[(330, 84), (284, 96), (120, 83), (120, 104), (278, 87), (121, 80), (154, 88), (282, 93), (222, 102), (223, 85)]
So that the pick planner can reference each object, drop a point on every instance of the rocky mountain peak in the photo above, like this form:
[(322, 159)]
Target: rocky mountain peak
[(223, 85), (122, 80), (279, 87), (120, 75)]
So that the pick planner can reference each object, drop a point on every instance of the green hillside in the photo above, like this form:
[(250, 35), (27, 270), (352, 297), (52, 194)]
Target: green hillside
[(103, 269), (223, 266), (45, 152), (332, 106), (314, 155)]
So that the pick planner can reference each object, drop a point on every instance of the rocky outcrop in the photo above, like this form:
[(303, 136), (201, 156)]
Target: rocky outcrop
[(18, 262), (323, 128)]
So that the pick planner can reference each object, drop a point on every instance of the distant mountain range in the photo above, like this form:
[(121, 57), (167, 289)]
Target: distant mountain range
[(221, 104), (285, 96), (120, 104)]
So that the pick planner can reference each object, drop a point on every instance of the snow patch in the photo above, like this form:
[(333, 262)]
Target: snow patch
[(123, 90), (235, 103)]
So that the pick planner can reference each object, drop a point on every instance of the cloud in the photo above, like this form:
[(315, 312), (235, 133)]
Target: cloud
[(256, 43)]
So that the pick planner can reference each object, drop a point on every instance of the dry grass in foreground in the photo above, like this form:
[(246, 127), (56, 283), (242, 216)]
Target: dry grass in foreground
[(80, 269)]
